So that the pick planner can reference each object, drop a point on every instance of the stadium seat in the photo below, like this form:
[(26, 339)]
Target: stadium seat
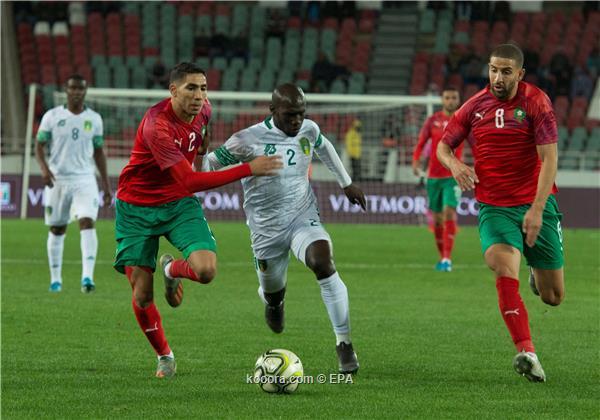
[(563, 137), (578, 139)]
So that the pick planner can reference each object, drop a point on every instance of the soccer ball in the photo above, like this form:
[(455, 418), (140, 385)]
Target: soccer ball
[(278, 371)]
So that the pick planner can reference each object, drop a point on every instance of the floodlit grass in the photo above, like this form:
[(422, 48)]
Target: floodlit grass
[(431, 345)]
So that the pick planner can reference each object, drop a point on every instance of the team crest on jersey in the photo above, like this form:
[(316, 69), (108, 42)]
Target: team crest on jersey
[(261, 265), (305, 145), (87, 125), (49, 210), (519, 114), (62, 123), (270, 149)]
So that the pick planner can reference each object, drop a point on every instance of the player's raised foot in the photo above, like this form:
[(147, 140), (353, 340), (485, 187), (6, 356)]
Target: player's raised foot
[(55, 287), (87, 285), (274, 315), (528, 365), (166, 367), (532, 285), (173, 286), (347, 360)]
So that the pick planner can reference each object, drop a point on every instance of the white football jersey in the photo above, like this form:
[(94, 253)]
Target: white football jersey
[(72, 140), (272, 203)]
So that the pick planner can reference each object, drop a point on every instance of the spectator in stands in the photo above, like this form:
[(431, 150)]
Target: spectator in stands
[(501, 12), (532, 58), (158, 76), (330, 9), (276, 24), (470, 69), (348, 9), (561, 69), (581, 84), (353, 142), (202, 43), (462, 10), (313, 12), (481, 10), (390, 131), (323, 74), (218, 46), (593, 63), (453, 60), (239, 47)]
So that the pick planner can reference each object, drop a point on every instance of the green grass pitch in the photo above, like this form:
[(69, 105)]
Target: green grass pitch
[(431, 345)]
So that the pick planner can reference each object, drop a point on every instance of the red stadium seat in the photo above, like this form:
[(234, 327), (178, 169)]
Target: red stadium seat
[(223, 9), (205, 8), (294, 22), (186, 8), (87, 73), (348, 26), (48, 75), (330, 23), (213, 77)]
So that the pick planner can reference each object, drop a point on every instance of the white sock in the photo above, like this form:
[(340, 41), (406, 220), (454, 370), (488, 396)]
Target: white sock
[(167, 271), (89, 249), (55, 246), (261, 295), (170, 355), (335, 297)]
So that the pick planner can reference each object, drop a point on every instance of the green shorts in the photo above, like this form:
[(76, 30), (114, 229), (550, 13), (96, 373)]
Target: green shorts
[(503, 225), (138, 229), (442, 192)]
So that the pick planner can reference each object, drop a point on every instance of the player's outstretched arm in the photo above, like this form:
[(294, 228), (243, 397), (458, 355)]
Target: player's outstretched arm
[(199, 181), (465, 176)]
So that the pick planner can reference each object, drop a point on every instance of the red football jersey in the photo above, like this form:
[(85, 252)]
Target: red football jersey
[(162, 140), (434, 129), (505, 136)]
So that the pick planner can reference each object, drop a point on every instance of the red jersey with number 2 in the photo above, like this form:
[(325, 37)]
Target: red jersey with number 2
[(162, 140), (505, 136)]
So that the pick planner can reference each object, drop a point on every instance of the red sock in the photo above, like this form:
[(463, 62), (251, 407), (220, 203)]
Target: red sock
[(181, 268), (149, 320), (449, 232), (439, 238), (514, 313)]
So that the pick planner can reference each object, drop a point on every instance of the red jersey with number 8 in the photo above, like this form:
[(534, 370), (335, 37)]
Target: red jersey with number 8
[(505, 135), (162, 140)]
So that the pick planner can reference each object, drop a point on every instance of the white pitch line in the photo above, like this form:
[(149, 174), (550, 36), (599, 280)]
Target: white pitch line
[(249, 263), (348, 265)]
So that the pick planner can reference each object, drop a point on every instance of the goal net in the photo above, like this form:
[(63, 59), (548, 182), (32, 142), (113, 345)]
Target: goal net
[(389, 131)]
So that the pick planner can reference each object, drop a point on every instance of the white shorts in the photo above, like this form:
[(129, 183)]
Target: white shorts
[(304, 231), (272, 254), (68, 201)]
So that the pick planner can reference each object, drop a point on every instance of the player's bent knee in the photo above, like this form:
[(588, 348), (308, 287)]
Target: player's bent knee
[(143, 298), (552, 298), (206, 275), (58, 230), (322, 268)]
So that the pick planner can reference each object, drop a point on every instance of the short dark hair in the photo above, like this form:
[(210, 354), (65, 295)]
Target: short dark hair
[(183, 69), (510, 51), (76, 77), (454, 88)]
